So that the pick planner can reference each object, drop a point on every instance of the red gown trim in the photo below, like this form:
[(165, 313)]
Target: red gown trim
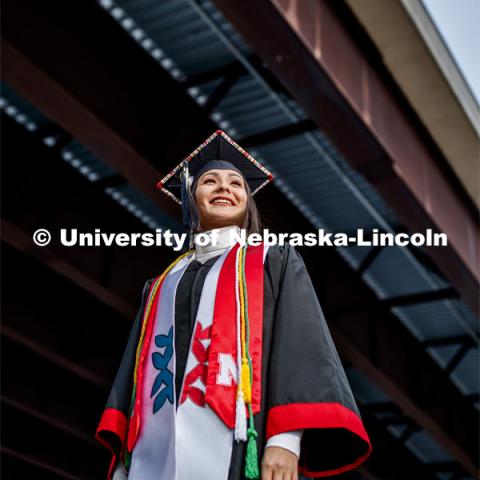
[(296, 416), (112, 421)]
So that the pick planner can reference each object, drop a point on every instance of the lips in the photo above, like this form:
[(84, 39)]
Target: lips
[(221, 201)]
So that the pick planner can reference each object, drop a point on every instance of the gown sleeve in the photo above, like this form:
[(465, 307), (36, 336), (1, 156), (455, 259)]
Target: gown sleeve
[(112, 428), (307, 385)]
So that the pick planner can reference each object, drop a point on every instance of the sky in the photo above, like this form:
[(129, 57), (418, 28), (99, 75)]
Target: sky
[(458, 21)]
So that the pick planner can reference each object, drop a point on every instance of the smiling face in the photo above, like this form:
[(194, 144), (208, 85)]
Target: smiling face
[(221, 199)]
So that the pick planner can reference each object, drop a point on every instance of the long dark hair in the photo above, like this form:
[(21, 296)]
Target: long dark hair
[(251, 222)]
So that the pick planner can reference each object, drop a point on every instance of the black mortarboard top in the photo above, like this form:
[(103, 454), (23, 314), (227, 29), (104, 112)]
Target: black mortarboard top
[(217, 151)]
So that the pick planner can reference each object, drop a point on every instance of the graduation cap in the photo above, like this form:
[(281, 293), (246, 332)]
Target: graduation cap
[(218, 151)]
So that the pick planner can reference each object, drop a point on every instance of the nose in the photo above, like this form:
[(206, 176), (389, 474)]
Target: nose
[(223, 185)]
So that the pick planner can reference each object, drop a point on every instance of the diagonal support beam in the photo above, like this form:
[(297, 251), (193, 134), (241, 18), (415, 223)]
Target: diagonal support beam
[(46, 418), (21, 241), (38, 463), (280, 133), (66, 110), (423, 297), (457, 358), (65, 363)]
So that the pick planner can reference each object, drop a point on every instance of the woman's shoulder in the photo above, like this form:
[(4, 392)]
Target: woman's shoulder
[(281, 252), (146, 288), (278, 251), (282, 257)]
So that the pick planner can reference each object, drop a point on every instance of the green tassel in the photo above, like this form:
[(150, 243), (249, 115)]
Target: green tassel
[(128, 460), (251, 460)]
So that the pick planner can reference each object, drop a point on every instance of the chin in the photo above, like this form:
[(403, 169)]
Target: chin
[(223, 220)]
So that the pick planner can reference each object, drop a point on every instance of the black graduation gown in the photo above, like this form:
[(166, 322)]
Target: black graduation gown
[(304, 385)]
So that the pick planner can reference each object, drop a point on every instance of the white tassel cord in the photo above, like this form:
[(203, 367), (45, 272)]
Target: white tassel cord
[(240, 419)]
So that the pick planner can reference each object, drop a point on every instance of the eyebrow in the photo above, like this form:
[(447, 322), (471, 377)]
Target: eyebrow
[(232, 174)]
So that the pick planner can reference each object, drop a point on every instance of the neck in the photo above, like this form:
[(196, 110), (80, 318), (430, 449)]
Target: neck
[(224, 238)]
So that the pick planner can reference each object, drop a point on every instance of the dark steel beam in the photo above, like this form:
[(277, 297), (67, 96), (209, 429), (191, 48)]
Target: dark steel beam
[(440, 342), (215, 74), (422, 297), (68, 405), (38, 463), (48, 418), (279, 133), (115, 180), (409, 431), (369, 259), (457, 358), (73, 367), (394, 420), (47, 447), (446, 466), (381, 407), (390, 458), (22, 241)]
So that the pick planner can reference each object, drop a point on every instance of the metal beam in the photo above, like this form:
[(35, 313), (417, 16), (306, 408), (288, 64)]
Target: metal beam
[(215, 74), (440, 342), (457, 358), (61, 361), (279, 133), (20, 240), (390, 458), (28, 409), (410, 430), (38, 463), (422, 297)]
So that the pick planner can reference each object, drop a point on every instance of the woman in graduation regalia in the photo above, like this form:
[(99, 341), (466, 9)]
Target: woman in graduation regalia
[(230, 371)]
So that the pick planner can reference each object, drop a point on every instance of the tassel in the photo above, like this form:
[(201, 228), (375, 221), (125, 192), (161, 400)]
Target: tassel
[(240, 419), (190, 241), (185, 178), (251, 459), (246, 384), (127, 460)]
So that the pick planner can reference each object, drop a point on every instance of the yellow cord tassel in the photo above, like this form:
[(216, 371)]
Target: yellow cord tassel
[(246, 385)]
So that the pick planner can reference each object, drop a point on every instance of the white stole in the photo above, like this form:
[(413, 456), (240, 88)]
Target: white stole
[(193, 434)]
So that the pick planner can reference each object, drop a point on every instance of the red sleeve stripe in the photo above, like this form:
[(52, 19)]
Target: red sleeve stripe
[(112, 421), (296, 416)]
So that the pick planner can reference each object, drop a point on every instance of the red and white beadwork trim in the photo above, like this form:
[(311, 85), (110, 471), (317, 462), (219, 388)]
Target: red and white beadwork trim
[(161, 183)]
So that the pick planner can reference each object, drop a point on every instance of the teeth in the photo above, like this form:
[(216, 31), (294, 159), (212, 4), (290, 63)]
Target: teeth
[(222, 202)]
